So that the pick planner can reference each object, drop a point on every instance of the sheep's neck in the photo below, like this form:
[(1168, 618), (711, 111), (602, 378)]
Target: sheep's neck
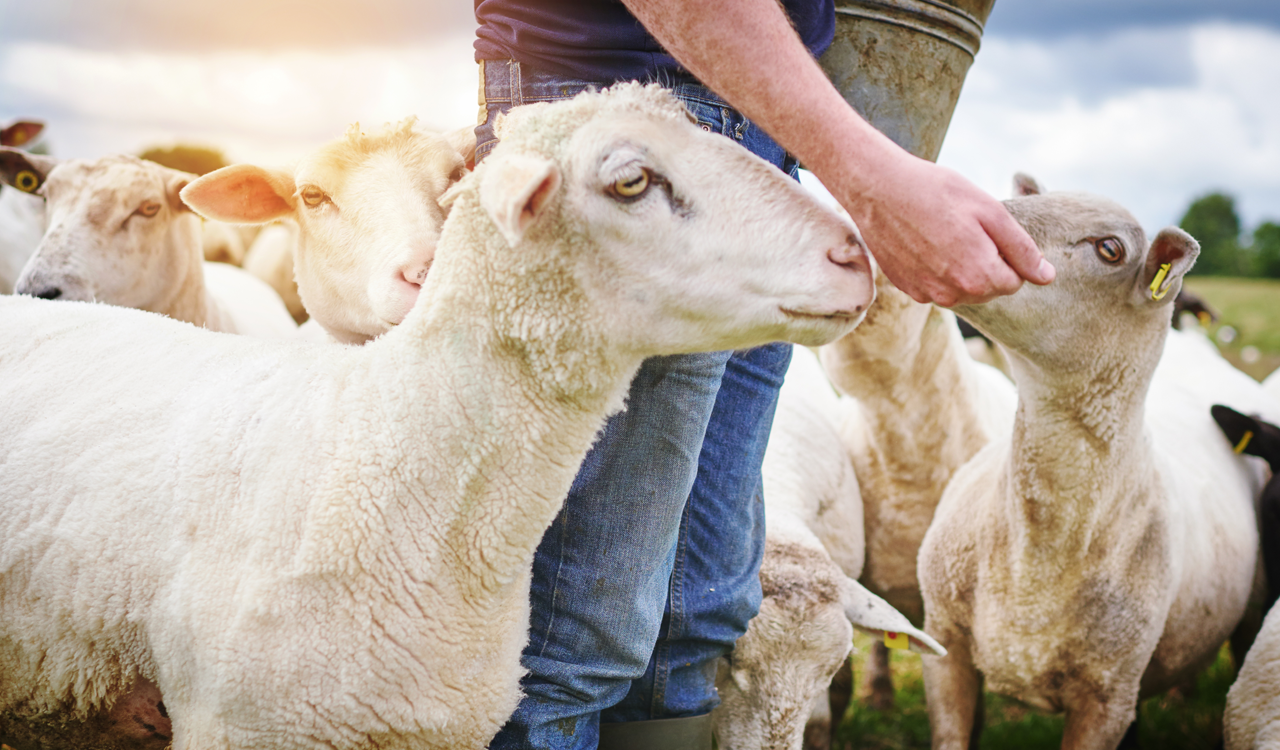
[(520, 413), (921, 425), (1079, 457), (186, 299)]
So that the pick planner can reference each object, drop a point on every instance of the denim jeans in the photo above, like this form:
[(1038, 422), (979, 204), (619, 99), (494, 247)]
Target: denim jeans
[(650, 572)]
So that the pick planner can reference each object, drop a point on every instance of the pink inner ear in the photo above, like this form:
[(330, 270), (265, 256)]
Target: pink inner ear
[(241, 194), (1174, 247), (20, 133), (539, 198)]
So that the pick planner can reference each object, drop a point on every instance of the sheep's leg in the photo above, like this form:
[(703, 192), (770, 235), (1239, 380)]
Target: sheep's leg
[(952, 688), (839, 695), (821, 725), (1099, 725), (1243, 636), (878, 681)]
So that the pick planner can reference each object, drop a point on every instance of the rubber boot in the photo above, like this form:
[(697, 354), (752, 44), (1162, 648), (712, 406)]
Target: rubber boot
[(684, 733)]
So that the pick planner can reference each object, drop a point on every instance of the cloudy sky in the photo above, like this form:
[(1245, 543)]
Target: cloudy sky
[(1151, 102)]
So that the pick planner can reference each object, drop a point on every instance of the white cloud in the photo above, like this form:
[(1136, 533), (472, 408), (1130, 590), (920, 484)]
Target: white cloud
[(1151, 146), (256, 106)]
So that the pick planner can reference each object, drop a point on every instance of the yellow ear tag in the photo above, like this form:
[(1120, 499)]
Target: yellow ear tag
[(1156, 292), (897, 640), (26, 181), (1244, 441)]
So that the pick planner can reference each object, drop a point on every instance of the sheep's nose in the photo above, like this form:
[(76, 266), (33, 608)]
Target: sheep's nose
[(849, 253), (52, 292), (415, 274)]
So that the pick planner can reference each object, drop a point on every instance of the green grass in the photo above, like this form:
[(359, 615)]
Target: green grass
[(1252, 308), (1190, 720)]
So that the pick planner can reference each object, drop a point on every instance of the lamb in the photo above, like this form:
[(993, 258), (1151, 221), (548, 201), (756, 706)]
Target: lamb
[(21, 214), (118, 232), (339, 539), (1107, 547), (781, 666), (926, 409), (1252, 717), (368, 219)]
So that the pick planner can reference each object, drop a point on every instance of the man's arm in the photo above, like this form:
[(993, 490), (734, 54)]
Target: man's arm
[(938, 237)]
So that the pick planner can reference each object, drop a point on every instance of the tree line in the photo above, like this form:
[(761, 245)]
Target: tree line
[(1225, 250)]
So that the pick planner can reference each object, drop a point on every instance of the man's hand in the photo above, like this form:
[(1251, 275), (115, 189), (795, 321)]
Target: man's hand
[(941, 239)]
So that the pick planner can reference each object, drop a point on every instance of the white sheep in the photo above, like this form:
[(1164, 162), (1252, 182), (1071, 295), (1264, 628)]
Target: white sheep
[(1252, 717), (117, 232), (307, 545), (270, 258), (1108, 546), (926, 408), (1272, 384), (367, 216), (222, 243), (21, 214), (775, 679)]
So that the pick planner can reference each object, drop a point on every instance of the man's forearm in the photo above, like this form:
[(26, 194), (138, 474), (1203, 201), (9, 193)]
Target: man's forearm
[(937, 236), (746, 51)]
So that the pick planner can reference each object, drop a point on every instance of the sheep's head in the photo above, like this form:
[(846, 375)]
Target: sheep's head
[(1113, 292), (367, 206), (695, 242), (116, 230), (786, 659), (783, 664)]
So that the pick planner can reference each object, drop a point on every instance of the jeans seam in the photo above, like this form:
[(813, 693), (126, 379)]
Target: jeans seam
[(675, 623), (555, 591)]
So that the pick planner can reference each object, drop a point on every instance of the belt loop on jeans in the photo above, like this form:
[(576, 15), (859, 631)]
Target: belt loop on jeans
[(483, 114), (513, 80)]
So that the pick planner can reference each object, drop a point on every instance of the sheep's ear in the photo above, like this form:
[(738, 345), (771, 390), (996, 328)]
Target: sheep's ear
[(1171, 255), (1249, 435), (448, 197), (464, 141), (870, 613), (174, 183), (515, 190), (1025, 184), (242, 194), (20, 133), (24, 171)]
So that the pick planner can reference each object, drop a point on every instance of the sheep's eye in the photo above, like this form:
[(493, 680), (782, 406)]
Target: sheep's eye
[(1109, 249), (148, 209), (632, 187), (26, 181), (313, 196), (457, 174)]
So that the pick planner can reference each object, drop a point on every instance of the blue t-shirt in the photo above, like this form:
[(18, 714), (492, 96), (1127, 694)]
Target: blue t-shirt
[(599, 40)]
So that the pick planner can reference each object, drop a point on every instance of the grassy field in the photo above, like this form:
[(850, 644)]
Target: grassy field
[(1175, 721), (1190, 720), (1252, 308)]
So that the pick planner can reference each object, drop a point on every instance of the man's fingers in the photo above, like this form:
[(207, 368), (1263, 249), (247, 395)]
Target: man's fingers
[(1019, 250)]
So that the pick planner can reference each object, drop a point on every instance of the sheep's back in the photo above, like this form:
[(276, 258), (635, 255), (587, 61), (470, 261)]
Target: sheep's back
[(124, 433)]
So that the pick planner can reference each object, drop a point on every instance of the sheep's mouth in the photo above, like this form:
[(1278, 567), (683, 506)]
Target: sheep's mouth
[(837, 315)]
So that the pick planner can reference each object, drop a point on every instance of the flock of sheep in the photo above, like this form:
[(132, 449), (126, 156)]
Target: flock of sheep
[(321, 535)]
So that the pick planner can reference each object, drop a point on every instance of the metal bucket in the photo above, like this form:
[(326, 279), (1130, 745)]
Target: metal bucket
[(901, 64)]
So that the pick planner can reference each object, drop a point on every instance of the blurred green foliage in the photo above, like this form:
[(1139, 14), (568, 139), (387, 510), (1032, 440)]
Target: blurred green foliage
[(1224, 250)]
